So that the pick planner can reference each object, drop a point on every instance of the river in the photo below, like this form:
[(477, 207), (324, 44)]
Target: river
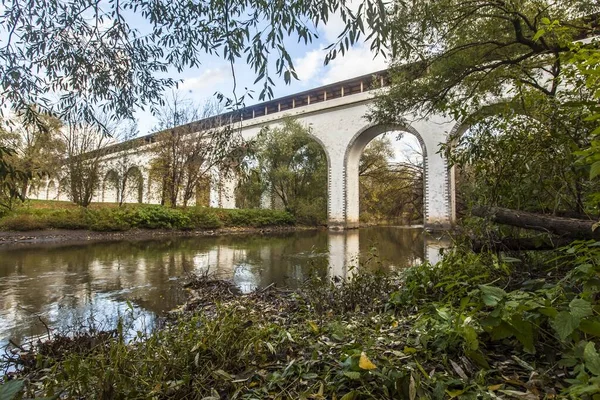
[(61, 287)]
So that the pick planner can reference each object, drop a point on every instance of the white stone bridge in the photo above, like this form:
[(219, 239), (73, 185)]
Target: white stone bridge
[(336, 116)]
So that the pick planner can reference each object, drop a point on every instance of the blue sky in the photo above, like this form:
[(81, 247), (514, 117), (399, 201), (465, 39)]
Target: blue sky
[(215, 74)]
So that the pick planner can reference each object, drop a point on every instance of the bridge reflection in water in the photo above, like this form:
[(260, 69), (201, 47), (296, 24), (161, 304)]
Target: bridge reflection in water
[(340, 260), (65, 284)]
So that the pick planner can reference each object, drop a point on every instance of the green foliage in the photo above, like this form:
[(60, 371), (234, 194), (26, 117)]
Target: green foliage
[(482, 48), (290, 165), (11, 179), (100, 37), (504, 158), (141, 217), (255, 217), (389, 192)]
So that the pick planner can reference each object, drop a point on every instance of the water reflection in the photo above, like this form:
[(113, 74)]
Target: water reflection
[(65, 285)]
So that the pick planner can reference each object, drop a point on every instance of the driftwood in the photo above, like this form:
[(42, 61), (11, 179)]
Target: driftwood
[(563, 227)]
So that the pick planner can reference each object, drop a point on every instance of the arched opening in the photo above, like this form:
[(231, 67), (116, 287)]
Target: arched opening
[(110, 187), (386, 176), (33, 191), (203, 192), (520, 159), (51, 191), (63, 189), (287, 170), (391, 180), (133, 189)]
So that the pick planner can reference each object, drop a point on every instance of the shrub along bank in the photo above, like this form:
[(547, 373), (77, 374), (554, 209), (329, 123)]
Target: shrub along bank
[(475, 326), (139, 216)]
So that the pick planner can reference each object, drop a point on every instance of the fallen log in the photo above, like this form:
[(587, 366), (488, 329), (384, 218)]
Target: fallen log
[(564, 227)]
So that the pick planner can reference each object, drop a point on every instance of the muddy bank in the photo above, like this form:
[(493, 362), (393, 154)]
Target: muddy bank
[(15, 238)]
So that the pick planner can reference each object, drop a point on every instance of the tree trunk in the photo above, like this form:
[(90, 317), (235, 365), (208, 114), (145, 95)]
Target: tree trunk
[(566, 227)]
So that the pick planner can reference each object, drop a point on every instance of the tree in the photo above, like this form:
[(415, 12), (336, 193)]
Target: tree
[(292, 166), (501, 68), (95, 55), (463, 55), (125, 178), (389, 191), (10, 180), (37, 148), (191, 142), (85, 146)]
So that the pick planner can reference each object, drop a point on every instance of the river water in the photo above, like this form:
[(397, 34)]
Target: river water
[(61, 287)]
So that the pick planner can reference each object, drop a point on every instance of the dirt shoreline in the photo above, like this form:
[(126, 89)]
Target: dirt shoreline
[(11, 238)]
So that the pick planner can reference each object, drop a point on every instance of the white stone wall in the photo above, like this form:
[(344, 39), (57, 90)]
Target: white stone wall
[(339, 125)]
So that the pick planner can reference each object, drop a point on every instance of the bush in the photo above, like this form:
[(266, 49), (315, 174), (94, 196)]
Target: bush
[(22, 223), (141, 216), (311, 213), (203, 218), (255, 217), (159, 217)]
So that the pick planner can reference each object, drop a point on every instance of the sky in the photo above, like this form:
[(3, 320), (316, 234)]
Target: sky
[(214, 75)]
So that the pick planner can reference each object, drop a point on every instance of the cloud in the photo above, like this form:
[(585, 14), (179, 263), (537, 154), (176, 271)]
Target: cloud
[(309, 65), (356, 62), (207, 81)]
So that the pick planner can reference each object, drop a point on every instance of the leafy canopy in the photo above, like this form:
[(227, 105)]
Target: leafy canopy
[(455, 56), (73, 58)]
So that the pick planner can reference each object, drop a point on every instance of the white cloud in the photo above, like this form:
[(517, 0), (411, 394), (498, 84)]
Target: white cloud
[(309, 65), (206, 82), (357, 61)]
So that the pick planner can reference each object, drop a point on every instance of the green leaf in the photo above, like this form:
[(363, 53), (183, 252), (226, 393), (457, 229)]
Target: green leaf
[(352, 375), (580, 308), (350, 395), (491, 295), (478, 357), (9, 390), (590, 326), (595, 170), (564, 324), (591, 358), (539, 34), (523, 333)]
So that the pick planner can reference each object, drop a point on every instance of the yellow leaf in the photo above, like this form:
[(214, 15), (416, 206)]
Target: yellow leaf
[(313, 326), (365, 363), (493, 388), (395, 324)]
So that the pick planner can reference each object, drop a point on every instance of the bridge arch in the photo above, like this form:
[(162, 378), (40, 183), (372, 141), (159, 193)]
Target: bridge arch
[(352, 157), (110, 187), (502, 108), (51, 190), (134, 186)]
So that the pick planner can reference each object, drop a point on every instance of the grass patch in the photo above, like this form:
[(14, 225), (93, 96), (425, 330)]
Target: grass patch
[(62, 215)]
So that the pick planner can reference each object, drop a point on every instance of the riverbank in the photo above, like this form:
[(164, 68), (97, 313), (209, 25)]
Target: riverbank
[(473, 326), (80, 236), (38, 221)]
